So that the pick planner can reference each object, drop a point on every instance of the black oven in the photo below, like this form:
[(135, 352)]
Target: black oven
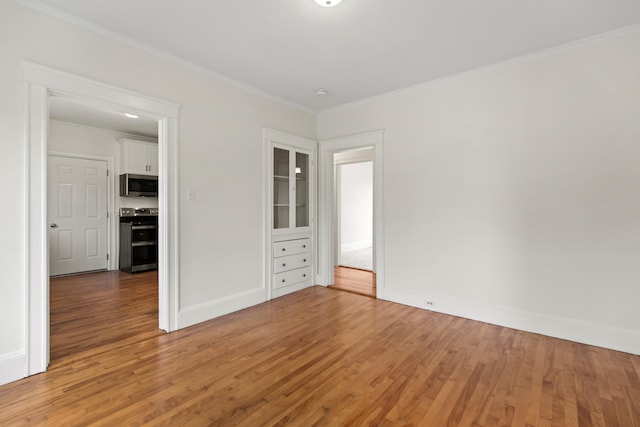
[(138, 239)]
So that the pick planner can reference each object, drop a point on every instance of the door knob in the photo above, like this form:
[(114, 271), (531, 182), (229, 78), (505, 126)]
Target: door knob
[(53, 225)]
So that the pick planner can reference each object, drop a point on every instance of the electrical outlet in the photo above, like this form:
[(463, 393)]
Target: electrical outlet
[(430, 303)]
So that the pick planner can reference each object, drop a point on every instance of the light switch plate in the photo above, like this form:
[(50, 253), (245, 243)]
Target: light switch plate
[(191, 194)]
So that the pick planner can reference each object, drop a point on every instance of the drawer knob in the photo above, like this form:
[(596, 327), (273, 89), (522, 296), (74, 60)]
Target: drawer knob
[(304, 275), (283, 249), (304, 260), (284, 265), (304, 246), (282, 280)]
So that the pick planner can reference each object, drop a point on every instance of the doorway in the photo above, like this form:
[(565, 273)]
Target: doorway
[(353, 272), (85, 147), (354, 208), (42, 83), (367, 277)]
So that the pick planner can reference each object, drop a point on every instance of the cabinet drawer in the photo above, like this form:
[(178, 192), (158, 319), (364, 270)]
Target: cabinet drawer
[(291, 277), (291, 262), (290, 247)]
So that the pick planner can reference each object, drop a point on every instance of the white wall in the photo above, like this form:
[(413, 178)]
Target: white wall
[(512, 194), (220, 156), (79, 139), (86, 140), (356, 205)]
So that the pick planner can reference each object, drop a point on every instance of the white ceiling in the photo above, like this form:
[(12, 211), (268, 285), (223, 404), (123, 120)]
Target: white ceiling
[(88, 114), (358, 49)]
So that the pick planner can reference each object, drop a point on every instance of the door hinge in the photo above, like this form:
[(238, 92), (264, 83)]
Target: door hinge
[(107, 257), (107, 214), (107, 172)]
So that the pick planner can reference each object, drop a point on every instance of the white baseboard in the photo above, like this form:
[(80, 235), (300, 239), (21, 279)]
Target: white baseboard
[(356, 246), (12, 367), (610, 337), (277, 293), (219, 307)]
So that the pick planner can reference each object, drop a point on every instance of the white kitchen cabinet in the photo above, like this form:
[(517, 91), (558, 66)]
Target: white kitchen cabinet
[(138, 157)]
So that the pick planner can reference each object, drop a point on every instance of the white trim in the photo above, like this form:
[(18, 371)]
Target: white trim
[(362, 155), (289, 139), (168, 225), (559, 327), (337, 210), (219, 307), (87, 25), (267, 214), (327, 246), (42, 82), (112, 225), (37, 339), (495, 66), (12, 367), (277, 293), (98, 94)]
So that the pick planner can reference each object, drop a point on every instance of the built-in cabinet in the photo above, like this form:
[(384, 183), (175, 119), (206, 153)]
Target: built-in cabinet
[(138, 157), (291, 172), (291, 262)]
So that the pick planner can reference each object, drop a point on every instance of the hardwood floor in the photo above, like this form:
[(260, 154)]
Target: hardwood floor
[(97, 311), (353, 280), (323, 357)]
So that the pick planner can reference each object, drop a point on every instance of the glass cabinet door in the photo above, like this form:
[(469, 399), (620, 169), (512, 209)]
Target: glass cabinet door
[(291, 188), (281, 194), (302, 190)]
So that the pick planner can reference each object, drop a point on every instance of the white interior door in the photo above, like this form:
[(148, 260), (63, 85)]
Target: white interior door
[(77, 211)]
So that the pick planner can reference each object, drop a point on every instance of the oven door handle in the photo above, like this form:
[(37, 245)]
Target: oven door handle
[(146, 243), (144, 227)]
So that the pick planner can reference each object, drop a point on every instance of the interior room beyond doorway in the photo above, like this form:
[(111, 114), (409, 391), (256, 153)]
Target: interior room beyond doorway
[(92, 305), (353, 171), (92, 313)]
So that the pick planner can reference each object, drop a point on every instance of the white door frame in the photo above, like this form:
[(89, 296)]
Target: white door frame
[(326, 214), (40, 83)]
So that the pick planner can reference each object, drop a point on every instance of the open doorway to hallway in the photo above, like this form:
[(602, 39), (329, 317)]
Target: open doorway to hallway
[(354, 249)]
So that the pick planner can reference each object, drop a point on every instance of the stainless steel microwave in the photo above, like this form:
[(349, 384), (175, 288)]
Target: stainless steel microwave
[(138, 185)]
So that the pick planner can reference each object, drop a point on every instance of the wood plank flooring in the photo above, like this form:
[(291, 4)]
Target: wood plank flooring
[(320, 357), (353, 280), (99, 310)]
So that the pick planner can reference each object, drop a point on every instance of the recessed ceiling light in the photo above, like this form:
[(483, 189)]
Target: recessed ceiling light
[(131, 116), (322, 92), (327, 3)]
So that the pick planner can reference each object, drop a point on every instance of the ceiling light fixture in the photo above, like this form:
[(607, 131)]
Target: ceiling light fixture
[(328, 3), (131, 116), (321, 92)]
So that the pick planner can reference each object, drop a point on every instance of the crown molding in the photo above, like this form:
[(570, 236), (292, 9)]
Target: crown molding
[(98, 29), (496, 66)]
